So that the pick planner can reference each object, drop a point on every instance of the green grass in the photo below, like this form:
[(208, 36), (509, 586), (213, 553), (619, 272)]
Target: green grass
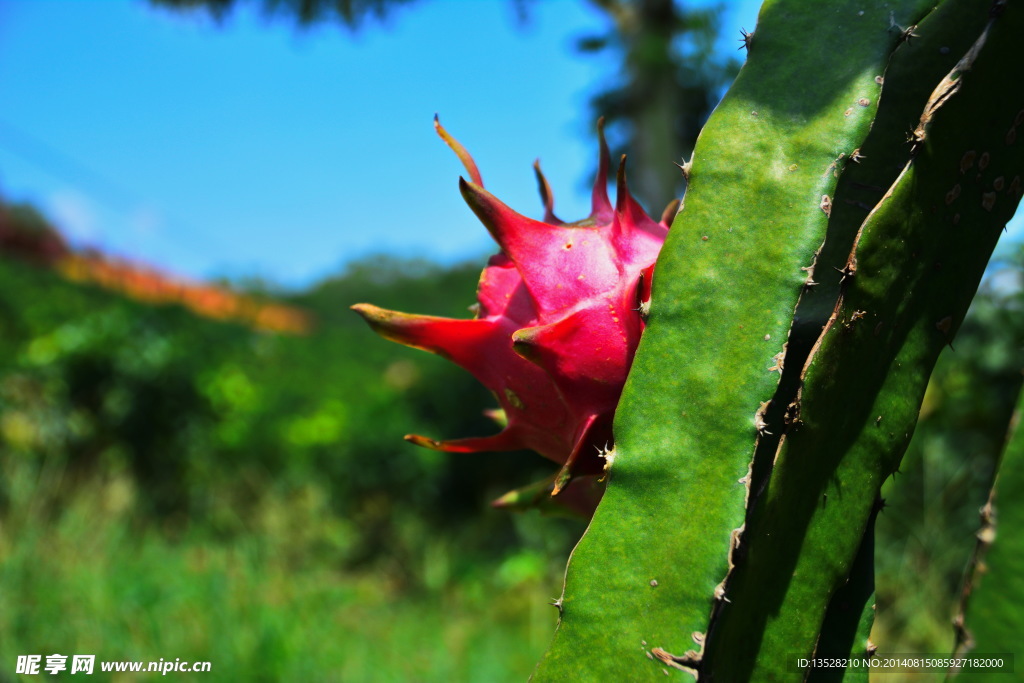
[(170, 488), (90, 581)]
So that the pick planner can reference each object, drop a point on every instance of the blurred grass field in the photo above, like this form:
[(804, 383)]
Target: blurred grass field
[(178, 487), (94, 583)]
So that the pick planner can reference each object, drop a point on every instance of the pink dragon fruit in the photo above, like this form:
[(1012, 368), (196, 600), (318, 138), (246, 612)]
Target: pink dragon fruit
[(557, 322)]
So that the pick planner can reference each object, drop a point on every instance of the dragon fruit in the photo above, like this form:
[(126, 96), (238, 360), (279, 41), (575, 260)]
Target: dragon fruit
[(559, 315)]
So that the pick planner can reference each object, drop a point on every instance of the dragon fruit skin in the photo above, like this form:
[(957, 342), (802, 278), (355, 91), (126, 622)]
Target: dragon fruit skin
[(557, 321)]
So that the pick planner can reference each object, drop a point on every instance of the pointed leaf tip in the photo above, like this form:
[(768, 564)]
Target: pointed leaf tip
[(399, 327), (600, 205), (669, 214), (546, 196), (456, 339), (625, 205), (581, 460), (621, 189), (369, 312), (505, 440), (498, 415), (526, 497), (423, 441), (499, 219), (460, 151), (524, 343), (578, 502)]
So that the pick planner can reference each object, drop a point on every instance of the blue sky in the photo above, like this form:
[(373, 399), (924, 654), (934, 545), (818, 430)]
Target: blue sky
[(255, 148)]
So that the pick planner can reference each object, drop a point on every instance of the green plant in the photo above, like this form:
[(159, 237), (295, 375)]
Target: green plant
[(842, 204)]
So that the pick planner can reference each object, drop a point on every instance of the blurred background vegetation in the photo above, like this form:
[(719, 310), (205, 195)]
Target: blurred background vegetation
[(176, 485), (217, 472)]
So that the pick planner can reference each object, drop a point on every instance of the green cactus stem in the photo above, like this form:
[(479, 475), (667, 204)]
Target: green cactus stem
[(991, 617), (846, 628), (915, 266), (642, 582)]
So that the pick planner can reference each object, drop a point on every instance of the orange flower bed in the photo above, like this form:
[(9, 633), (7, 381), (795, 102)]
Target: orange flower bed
[(151, 286)]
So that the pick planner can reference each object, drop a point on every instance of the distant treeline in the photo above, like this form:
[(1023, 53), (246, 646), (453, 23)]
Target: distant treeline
[(26, 234), (210, 418)]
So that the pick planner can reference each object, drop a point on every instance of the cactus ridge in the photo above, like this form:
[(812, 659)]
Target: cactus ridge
[(864, 175), (722, 307), (846, 626), (989, 619), (874, 357), (976, 568)]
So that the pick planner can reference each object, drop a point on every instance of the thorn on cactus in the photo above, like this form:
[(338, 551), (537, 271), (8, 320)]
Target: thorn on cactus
[(792, 414), (905, 33), (847, 271), (685, 168), (608, 454), (746, 39), (644, 310), (560, 310), (684, 663), (759, 422), (826, 204)]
